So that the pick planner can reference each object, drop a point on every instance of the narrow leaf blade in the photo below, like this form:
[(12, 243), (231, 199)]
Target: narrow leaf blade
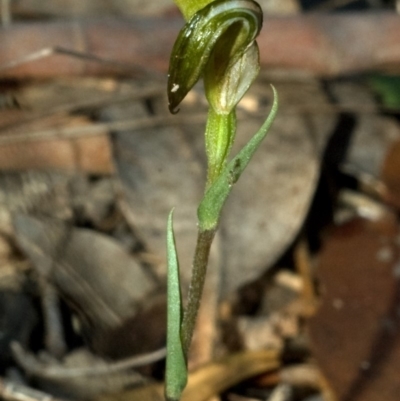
[(176, 369)]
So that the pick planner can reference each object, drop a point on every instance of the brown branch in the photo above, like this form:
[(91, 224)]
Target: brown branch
[(332, 44), (322, 44)]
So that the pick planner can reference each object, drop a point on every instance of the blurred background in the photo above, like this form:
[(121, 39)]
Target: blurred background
[(302, 298)]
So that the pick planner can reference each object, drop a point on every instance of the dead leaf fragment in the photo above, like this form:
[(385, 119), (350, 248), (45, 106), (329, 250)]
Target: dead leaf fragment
[(86, 154), (211, 379), (355, 334), (91, 270)]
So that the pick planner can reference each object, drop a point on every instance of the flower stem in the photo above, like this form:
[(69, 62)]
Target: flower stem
[(202, 252), (220, 134)]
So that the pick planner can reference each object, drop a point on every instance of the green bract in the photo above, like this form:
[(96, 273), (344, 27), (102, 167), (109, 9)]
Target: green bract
[(225, 84), (218, 41), (210, 207)]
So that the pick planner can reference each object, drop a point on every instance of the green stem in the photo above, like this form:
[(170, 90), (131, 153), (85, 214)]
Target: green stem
[(220, 134), (202, 252)]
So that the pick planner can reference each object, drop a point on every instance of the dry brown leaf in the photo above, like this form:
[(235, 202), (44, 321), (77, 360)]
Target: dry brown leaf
[(34, 135), (373, 134), (85, 154), (211, 379), (355, 336), (103, 282)]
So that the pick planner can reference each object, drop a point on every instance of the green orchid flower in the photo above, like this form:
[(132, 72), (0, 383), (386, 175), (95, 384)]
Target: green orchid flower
[(218, 44)]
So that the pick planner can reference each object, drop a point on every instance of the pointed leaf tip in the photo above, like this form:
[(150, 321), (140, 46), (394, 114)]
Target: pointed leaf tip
[(176, 370)]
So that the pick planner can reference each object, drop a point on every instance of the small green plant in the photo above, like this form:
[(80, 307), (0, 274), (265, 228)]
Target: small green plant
[(216, 44)]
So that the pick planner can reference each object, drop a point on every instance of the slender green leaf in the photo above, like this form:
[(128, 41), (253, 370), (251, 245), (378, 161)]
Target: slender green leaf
[(176, 369), (210, 207)]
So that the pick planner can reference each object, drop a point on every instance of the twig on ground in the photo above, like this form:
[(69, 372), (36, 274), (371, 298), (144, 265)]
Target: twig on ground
[(302, 42), (30, 364), (10, 391)]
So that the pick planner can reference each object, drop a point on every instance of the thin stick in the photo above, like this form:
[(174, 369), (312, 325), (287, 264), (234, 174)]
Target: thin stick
[(10, 391), (150, 122), (303, 266), (98, 128), (49, 51), (32, 366), (54, 337)]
